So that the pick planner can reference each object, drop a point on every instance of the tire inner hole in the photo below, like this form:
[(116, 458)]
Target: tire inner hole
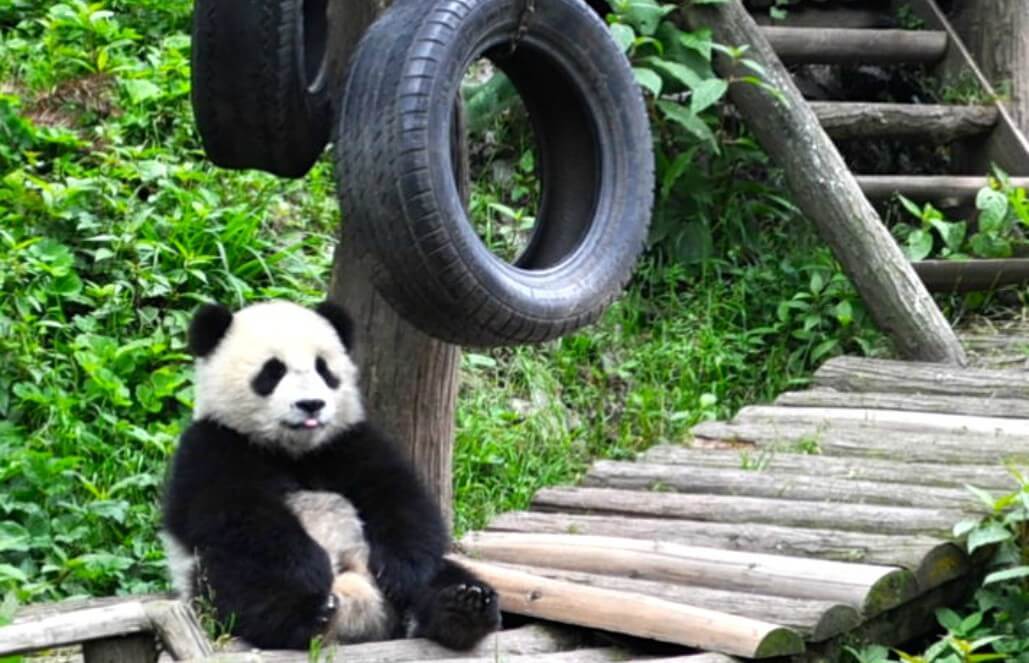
[(315, 42)]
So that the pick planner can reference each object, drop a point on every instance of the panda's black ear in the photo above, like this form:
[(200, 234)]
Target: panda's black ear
[(340, 321), (208, 328)]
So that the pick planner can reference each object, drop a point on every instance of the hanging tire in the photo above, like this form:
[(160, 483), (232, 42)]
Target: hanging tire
[(261, 97), (594, 153)]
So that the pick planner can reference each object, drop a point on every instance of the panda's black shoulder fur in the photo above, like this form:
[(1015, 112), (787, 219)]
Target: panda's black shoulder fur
[(225, 500)]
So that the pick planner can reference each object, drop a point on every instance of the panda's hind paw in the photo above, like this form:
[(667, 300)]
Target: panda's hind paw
[(464, 614), (328, 610), (474, 601)]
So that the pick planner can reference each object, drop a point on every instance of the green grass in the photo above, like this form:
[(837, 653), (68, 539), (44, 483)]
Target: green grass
[(113, 228)]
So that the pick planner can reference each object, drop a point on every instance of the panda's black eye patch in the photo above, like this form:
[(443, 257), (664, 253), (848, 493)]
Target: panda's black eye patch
[(272, 372), (330, 378)]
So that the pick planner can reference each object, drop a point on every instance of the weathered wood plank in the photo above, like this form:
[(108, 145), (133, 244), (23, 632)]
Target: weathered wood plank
[(830, 398), (533, 640), (867, 588), (868, 469), (49, 609), (893, 419), (692, 658), (938, 123), (747, 483), (971, 275), (338, 655), (933, 561), (177, 627), (643, 616), (873, 442), (878, 375), (139, 648), (851, 46), (927, 187), (825, 190), (47, 632), (814, 620), (630, 480)]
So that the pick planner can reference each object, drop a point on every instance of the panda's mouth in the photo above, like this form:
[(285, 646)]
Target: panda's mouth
[(307, 424)]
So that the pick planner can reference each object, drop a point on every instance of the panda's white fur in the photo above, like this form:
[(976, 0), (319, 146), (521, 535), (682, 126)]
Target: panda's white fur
[(296, 336)]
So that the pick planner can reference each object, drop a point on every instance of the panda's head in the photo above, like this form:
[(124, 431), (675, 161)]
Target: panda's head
[(276, 372)]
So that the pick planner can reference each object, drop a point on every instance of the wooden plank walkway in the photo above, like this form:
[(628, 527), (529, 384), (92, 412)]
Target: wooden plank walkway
[(783, 529), (774, 535)]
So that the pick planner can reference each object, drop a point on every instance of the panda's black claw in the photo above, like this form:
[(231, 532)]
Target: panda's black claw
[(328, 610)]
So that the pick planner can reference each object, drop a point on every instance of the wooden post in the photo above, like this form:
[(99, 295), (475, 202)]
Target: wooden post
[(409, 379), (827, 193), (997, 33)]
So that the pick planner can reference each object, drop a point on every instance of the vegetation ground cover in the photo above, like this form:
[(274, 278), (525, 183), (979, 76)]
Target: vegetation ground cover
[(113, 228)]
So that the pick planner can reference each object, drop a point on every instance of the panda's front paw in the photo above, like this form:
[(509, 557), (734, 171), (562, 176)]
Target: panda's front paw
[(328, 610)]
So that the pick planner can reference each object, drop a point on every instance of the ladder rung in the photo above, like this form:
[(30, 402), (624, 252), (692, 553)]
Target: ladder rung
[(853, 46), (927, 187), (927, 121)]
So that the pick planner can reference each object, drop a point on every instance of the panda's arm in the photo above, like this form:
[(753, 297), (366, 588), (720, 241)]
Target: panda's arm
[(261, 570), (405, 529)]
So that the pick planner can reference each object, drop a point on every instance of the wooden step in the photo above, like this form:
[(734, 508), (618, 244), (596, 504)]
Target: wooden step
[(972, 275), (992, 476), (933, 561), (853, 46), (927, 187), (986, 407), (938, 123), (899, 420), (868, 588), (861, 374)]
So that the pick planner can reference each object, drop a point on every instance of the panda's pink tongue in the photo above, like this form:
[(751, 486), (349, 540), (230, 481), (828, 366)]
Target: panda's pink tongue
[(311, 423)]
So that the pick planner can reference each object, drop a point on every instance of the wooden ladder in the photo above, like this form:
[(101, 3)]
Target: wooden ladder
[(800, 135)]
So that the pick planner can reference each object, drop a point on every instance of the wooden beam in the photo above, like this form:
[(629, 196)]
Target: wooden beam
[(987, 407), (51, 631), (879, 375), (991, 476), (870, 589), (854, 46), (931, 122), (874, 442), (643, 616), (825, 190), (927, 187), (337, 654), (717, 481), (972, 275), (176, 625), (893, 419), (932, 561), (814, 620)]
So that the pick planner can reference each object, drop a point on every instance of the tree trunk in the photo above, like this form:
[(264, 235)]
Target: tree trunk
[(827, 193), (409, 379), (997, 33)]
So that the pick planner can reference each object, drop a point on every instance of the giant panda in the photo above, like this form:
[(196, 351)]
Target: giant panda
[(292, 515)]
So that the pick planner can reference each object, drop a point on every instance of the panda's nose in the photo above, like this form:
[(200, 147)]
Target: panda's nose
[(312, 406)]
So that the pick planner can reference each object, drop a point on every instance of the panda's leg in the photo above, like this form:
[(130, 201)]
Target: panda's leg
[(363, 613), (457, 609)]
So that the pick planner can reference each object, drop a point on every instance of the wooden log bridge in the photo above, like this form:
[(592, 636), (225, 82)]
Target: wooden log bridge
[(822, 516)]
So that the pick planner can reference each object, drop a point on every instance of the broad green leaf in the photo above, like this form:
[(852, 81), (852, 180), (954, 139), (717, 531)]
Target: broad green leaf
[(948, 619), (699, 41), (953, 233), (845, 312), (993, 210), (13, 537), (140, 90), (984, 497), (1007, 574), (648, 80), (919, 245), (707, 94), (8, 572), (964, 527), (988, 245), (675, 71), (646, 15), (624, 35), (988, 534), (688, 121), (910, 206)]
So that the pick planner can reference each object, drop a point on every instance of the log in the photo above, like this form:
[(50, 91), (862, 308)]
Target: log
[(987, 407), (936, 123), (740, 482), (47, 632), (693, 658), (869, 589), (642, 616), (997, 34), (338, 655), (619, 490), (879, 375), (932, 561), (874, 442), (991, 476), (972, 275), (533, 640), (933, 188), (836, 17), (899, 420), (826, 192), (139, 648), (35, 611), (855, 46), (176, 625), (814, 620)]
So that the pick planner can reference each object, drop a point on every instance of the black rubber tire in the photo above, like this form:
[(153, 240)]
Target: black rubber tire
[(595, 157), (261, 97)]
